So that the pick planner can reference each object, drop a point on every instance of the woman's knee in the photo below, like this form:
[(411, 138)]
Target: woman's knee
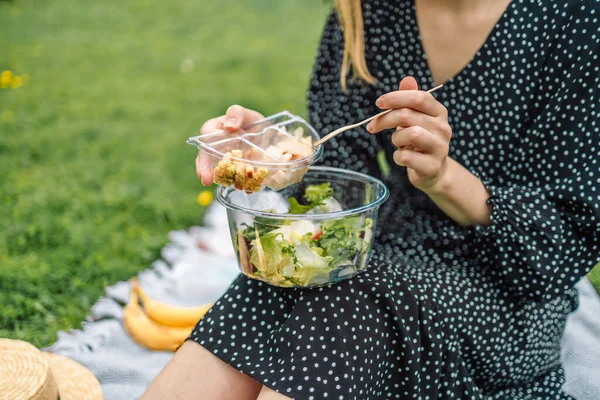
[(194, 372)]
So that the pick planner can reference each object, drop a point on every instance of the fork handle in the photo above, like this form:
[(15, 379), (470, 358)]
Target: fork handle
[(345, 128), (348, 127)]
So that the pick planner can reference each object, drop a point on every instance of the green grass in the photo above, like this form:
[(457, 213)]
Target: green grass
[(594, 276), (94, 169)]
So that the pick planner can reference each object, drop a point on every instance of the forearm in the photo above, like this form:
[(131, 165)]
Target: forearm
[(461, 195)]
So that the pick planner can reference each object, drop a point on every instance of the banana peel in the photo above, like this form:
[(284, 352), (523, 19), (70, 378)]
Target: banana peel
[(153, 334), (148, 333), (167, 314)]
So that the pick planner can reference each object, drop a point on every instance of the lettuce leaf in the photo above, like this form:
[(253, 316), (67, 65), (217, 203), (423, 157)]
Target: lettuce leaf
[(308, 258), (297, 208), (296, 231), (341, 239), (263, 227), (314, 195), (266, 253), (311, 276)]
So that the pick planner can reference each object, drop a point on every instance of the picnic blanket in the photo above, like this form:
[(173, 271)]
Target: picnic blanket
[(198, 265)]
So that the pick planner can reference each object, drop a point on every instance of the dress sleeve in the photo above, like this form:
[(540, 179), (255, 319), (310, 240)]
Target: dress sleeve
[(544, 233)]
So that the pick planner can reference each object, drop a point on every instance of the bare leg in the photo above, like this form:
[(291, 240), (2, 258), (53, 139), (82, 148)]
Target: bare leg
[(269, 394), (196, 373)]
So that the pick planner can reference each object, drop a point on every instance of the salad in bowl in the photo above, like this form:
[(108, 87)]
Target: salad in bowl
[(313, 233)]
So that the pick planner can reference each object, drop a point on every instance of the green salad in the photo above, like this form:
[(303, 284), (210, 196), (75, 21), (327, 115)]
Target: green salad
[(302, 252)]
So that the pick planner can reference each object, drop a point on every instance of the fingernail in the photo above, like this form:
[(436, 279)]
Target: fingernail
[(379, 102), (206, 179), (370, 127), (230, 123)]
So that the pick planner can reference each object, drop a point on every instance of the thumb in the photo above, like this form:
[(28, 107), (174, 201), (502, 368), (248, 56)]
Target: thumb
[(409, 83), (234, 118)]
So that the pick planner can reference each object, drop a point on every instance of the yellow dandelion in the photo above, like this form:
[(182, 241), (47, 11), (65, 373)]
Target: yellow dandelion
[(205, 198), (5, 78), (16, 82)]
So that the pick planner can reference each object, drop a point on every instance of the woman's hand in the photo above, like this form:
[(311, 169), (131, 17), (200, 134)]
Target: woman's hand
[(234, 118), (422, 137), (422, 133)]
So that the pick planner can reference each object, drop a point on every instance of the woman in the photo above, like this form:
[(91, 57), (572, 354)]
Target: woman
[(494, 213)]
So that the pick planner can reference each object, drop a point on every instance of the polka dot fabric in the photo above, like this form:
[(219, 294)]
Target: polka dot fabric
[(446, 312)]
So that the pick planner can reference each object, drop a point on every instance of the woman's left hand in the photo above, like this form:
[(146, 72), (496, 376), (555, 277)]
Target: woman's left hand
[(422, 133)]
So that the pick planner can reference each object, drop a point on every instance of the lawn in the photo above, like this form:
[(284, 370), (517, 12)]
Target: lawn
[(94, 171)]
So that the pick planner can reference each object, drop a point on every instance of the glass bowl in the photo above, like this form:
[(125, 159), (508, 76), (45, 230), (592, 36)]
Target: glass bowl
[(330, 243), (274, 152)]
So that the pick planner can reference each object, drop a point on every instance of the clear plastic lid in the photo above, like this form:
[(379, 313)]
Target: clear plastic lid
[(274, 152)]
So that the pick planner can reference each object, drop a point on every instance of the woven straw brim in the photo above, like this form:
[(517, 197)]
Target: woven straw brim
[(24, 373), (74, 381), (29, 374)]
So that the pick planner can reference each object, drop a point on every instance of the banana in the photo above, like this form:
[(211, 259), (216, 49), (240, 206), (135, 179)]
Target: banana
[(166, 314), (147, 332)]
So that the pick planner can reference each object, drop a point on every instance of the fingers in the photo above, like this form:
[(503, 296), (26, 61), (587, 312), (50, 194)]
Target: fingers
[(424, 164), (423, 133), (212, 125), (417, 100), (409, 83), (203, 167), (404, 118), (236, 116), (420, 138)]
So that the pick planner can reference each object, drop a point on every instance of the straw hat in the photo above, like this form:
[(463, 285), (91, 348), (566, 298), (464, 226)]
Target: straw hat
[(29, 374)]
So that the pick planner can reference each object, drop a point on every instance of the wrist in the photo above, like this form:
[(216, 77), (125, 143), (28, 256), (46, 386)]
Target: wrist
[(442, 182)]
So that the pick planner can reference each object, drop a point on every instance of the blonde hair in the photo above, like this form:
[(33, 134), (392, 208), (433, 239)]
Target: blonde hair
[(350, 17)]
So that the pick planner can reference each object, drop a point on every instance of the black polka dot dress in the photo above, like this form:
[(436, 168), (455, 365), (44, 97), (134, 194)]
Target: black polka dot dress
[(444, 311)]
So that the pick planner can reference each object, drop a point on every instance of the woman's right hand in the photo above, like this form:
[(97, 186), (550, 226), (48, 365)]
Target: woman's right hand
[(234, 118)]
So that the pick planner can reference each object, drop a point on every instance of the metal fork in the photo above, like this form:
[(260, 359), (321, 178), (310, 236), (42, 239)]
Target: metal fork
[(348, 127)]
